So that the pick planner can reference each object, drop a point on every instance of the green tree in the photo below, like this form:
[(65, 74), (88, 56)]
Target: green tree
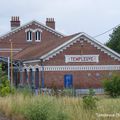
[(112, 86), (114, 41)]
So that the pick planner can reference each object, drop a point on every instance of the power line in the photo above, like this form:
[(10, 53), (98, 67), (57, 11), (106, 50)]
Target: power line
[(106, 31)]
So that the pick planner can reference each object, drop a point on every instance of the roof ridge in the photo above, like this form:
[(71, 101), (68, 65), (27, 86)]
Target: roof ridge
[(16, 29)]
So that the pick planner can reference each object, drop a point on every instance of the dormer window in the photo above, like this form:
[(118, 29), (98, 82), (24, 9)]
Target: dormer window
[(33, 34), (37, 35), (29, 35)]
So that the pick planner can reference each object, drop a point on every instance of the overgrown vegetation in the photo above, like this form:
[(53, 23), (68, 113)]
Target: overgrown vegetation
[(40, 107), (90, 101), (5, 87), (112, 86)]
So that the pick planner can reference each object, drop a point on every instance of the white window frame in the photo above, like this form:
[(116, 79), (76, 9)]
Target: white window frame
[(28, 32), (38, 30), (37, 40)]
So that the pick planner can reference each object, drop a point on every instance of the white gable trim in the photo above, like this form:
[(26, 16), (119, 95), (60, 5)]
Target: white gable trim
[(30, 23), (59, 48), (74, 40), (74, 68)]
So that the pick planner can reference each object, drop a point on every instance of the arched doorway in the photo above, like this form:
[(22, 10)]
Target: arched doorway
[(25, 77), (31, 79), (37, 78)]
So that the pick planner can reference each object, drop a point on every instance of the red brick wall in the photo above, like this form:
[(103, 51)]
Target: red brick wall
[(81, 79), (19, 39), (87, 49)]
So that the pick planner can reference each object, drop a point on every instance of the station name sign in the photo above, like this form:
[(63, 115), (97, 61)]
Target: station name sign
[(81, 58)]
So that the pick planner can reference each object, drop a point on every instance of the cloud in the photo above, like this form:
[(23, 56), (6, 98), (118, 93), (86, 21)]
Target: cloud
[(90, 16)]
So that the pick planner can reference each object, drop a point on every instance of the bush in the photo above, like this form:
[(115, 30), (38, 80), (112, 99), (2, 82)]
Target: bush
[(112, 86), (89, 101), (44, 109), (5, 87)]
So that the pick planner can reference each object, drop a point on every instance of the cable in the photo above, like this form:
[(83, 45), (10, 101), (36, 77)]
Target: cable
[(106, 31)]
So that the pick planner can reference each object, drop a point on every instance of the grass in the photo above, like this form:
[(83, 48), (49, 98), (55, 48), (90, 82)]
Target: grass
[(21, 107)]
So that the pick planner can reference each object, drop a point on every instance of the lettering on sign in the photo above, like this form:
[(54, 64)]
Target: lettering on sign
[(81, 58)]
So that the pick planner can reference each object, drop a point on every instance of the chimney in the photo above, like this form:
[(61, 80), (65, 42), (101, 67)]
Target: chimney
[(15, 22), (50, 23)]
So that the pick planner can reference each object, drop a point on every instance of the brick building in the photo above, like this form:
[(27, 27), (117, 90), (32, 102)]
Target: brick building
[(48, 57)]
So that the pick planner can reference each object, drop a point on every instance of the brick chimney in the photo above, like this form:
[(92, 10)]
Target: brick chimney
[(15, 22), (50, 22)]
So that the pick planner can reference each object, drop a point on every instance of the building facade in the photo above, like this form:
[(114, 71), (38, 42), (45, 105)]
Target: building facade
[(48, 58)]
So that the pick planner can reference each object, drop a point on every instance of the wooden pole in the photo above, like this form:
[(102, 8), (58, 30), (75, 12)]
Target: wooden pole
[(11, 57)]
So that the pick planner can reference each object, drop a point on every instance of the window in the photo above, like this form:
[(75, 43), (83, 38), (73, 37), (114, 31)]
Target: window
[(37, 35), (29, 35)]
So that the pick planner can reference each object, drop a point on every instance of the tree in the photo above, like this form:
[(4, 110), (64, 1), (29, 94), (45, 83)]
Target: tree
[(114, 41), (112, 86)]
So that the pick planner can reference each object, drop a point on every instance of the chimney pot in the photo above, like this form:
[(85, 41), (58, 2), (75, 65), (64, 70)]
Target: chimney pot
[(15, 22), (50, 23)]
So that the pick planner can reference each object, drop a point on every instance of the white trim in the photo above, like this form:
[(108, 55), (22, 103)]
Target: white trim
[(31, 61), (9, 50), (76, 68), (99, 45), (29, 23), (17, 49), (38, 40), (81, 58), (59, 48), (38, 29), (29, 29), (28, 32)]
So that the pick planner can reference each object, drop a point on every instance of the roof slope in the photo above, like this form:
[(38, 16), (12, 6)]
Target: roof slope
[(47, 50), (35, 51), (29, 23)]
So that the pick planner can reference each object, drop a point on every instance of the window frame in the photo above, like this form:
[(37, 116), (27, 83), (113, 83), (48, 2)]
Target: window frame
[(29, 35), (38, 35)]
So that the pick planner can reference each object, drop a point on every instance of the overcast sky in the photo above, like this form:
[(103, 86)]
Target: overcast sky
[(90, 16)]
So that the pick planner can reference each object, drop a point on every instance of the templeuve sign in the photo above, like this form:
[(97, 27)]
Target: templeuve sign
[(81, 58)]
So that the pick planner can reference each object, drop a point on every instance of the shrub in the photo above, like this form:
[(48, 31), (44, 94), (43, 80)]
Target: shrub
[(5, 87), (112, 86), (37, 112), (89, 101), (44, 109)]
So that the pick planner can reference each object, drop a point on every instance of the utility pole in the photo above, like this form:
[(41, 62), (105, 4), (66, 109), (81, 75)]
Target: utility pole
[(8, 68), (11, 59)]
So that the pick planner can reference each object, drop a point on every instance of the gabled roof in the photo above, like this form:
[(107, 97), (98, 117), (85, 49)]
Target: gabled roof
[(49, 49), (90, 39), (35, 51), (30, 23)]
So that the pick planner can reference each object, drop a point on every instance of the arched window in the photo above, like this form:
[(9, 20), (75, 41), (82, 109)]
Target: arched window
[(37, 78), (37, 35), (29, 35)]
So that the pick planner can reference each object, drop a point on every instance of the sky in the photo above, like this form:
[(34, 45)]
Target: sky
[(72, 16)]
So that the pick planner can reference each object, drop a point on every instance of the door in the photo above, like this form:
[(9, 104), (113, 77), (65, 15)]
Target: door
[(68, 81)]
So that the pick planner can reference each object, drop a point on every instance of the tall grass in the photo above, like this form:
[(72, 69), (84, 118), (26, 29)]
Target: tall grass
[(40, 107)]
